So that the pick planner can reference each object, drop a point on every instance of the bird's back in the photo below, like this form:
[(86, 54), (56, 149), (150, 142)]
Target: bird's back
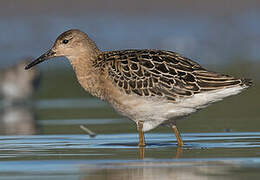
[(163, 73)]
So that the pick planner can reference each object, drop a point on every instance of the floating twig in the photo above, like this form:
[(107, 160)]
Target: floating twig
[(91, 133)]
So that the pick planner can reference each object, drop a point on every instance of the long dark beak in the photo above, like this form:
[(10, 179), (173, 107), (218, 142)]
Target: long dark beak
[(49, 54)]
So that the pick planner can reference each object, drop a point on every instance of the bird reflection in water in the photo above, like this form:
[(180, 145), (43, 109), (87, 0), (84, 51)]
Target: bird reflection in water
[(17, 88), (18, 120), (161, 169), (179, 151)]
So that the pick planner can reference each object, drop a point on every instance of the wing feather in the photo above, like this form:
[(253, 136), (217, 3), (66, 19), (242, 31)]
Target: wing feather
[(161, 73)]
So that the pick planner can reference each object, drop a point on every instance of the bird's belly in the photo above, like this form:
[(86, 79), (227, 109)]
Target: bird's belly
[(154, 111)]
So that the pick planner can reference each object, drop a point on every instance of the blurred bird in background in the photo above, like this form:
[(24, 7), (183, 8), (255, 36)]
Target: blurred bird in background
[(17, 85), (17, 88)]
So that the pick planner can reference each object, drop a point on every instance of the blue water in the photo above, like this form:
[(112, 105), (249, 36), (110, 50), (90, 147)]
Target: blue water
[(61, 150), (77, 156)]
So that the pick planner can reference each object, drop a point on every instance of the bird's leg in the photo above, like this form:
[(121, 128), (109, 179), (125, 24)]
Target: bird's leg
[(141, 134), (178, 135)]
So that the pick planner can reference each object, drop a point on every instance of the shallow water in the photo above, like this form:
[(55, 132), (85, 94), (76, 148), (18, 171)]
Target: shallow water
[(61, 150), (205, 156), (124, 146)]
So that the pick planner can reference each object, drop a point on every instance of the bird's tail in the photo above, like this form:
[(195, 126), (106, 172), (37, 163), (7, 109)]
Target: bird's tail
[(246, 82)]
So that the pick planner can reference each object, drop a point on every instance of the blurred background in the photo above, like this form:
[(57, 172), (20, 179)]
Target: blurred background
[(48, 105), (221, 35)]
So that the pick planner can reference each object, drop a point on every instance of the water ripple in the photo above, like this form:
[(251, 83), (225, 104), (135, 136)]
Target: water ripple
[(79, 145)]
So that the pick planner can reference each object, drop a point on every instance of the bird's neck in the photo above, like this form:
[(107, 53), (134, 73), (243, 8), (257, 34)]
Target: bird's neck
[(89, 77)]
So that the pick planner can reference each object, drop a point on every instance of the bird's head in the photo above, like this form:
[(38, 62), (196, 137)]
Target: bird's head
[(70, 44)]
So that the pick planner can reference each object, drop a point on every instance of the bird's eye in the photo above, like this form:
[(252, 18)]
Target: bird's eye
[(65, 41)]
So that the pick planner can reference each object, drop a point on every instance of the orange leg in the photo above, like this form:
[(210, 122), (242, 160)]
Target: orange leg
[(178, 136), (141, 134)]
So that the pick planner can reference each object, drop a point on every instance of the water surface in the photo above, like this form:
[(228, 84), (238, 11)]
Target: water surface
[(205, 155), (215, 146)]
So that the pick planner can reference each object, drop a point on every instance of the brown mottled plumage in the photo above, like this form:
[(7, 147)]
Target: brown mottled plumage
[(161, 73), (150, 87)]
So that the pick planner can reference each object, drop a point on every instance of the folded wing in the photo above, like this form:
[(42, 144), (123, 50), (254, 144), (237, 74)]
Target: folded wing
[(162, 73)]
